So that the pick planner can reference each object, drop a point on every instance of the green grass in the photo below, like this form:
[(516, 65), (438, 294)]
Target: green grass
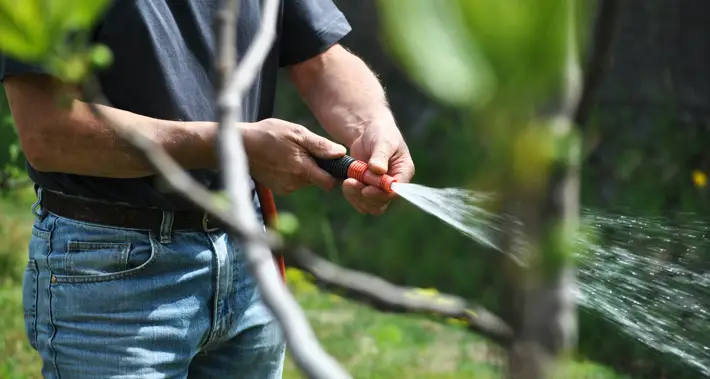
[(368, 343), (17, 359)]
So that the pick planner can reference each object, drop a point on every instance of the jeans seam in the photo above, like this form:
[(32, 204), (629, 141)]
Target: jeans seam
[(214, 329), (53, 328), (35, 299)]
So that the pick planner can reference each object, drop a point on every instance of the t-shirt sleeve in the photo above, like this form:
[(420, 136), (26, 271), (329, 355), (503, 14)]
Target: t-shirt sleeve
[(10, 66), (310, 27)]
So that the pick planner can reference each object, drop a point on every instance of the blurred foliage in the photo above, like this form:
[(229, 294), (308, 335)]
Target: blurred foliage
[(32, 30), (433, 44), (12, 159), (466, 52), (54, 34)]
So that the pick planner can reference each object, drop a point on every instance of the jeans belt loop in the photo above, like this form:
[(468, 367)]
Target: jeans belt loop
[(205, 221)]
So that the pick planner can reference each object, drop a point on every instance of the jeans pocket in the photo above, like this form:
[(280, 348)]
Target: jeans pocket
[(97, 261), (29, 301), (96, 258)]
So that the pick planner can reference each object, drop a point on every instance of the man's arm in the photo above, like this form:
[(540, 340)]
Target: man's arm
[(70, 139), (350, 104), (342, 92)]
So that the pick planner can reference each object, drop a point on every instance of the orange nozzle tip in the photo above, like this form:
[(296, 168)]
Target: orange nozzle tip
[(386, 183)]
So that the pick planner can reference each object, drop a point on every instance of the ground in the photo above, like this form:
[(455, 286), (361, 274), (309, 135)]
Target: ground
[(368, 343)]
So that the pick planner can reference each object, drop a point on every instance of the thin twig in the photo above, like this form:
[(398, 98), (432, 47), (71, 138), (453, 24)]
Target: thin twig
[(243, 77), (305, 349), (389, 297)]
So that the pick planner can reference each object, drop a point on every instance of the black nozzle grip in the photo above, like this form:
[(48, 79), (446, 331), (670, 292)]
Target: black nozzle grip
[(337, 167)]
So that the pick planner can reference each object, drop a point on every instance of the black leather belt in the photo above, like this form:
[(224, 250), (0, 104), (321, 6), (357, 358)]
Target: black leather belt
[(123, 216)]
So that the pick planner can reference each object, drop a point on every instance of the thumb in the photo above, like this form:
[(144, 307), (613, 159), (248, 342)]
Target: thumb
[(321, 147), (381, 154)]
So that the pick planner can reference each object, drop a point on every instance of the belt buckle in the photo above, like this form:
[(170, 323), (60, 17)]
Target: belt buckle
[(205, 221)]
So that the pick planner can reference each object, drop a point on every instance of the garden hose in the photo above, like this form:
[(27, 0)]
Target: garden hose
[(271, 219), (349, 167), (340, 168)]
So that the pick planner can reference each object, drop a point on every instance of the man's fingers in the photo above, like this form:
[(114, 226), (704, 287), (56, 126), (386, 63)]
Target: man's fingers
[(318, 176), (381, 154), (406, 174), (352, 188), (321, 147), (380, 210), (375, 208), (373, 204), (374, 200), (375, 194)]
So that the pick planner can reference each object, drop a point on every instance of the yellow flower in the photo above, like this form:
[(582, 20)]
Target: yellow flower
[(700, 178)]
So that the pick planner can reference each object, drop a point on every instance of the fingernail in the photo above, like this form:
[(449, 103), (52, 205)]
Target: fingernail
[(339, 149)]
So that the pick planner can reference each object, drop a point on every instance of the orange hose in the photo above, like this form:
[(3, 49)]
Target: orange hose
[(360, 171), (271, 219)]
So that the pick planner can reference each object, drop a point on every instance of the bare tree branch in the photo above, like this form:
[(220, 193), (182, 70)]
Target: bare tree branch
[(306, 351), (386, 296), (243, 77)]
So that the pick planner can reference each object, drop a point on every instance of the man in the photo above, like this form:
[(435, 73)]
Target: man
[(126, 279)]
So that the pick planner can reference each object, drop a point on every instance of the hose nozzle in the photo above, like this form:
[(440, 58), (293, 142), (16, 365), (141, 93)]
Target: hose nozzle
[(349, 167)]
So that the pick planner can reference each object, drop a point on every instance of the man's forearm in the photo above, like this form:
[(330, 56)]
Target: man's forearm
[(76, 142), (70, 139), (342, 92)]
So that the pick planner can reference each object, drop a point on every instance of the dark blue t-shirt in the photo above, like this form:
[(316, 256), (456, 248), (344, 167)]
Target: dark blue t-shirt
[(164, 53)]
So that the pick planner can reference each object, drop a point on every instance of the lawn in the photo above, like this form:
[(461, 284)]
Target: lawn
[(370, 344)]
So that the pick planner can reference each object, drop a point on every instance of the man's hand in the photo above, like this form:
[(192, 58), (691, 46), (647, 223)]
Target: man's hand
[(350, 104), (381, 145), (280, 155)]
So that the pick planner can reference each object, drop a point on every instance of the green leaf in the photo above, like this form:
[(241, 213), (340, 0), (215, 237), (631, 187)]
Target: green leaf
[(431, 42), (35, 30), (74, 14), (101, 56), (14, 151), (73, 69), (84, 12), (523, 40), (22, 30), (288, 223)]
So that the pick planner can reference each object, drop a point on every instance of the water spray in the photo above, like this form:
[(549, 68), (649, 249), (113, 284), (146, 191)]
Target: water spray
[(348, 167), (642, 293)]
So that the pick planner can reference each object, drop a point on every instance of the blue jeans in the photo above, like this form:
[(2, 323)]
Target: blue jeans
[(107, 302)]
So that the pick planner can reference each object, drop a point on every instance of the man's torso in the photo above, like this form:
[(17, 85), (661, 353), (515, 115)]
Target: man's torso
[(163, 56)]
